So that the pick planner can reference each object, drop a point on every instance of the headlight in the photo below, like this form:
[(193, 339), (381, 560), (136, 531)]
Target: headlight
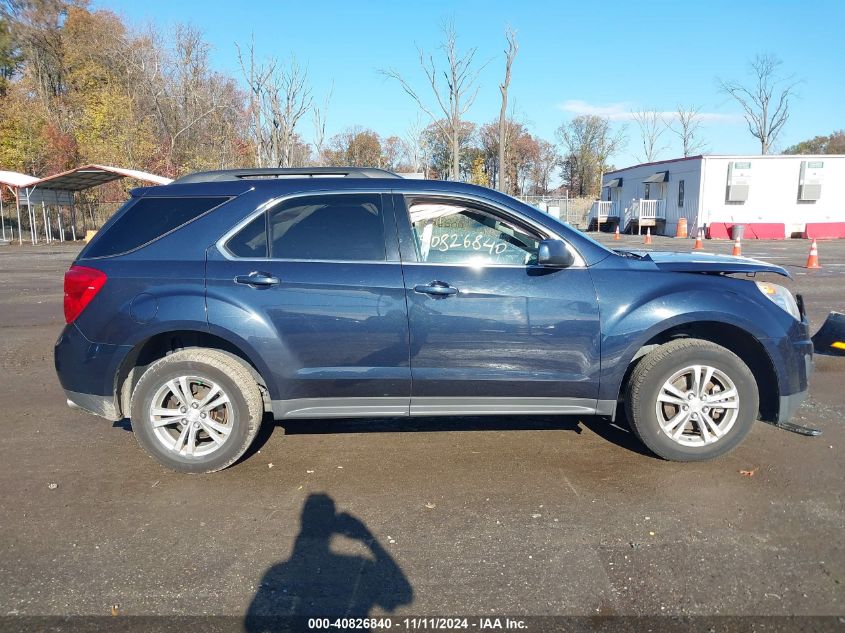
[(780, 296)]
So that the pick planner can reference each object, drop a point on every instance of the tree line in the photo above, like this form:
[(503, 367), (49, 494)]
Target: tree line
[(81, 86)]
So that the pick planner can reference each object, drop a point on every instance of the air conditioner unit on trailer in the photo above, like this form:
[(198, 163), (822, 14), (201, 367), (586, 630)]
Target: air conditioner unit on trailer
[(810, 180), (739, 181)]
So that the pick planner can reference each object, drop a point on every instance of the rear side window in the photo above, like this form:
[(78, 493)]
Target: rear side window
[(250, 241), (339, 227), (147, 220)]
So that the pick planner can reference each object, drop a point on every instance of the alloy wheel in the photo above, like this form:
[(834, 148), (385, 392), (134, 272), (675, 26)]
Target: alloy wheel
[(697, 405), (191, 416)]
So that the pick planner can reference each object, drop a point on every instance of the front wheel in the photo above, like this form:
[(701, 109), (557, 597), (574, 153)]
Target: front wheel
[(196, 410), (691, 400)]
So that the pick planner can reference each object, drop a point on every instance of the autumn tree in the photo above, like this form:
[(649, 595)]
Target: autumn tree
[(393, 155), (439, 149), (765, 100), (24, 143), (454, 89), (589, 142), (499, 160), (35, 26), (10, 58), (831, 144), (355, 147), (86, 88), (545, 162)]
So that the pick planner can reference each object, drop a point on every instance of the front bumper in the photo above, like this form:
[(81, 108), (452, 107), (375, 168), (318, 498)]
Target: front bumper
[(792, 357), (789, 405)]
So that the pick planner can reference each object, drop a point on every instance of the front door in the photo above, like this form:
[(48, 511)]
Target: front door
[(490, 330), (314, 287)]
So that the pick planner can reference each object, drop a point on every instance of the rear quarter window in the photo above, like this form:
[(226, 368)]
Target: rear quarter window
[(147, 219)]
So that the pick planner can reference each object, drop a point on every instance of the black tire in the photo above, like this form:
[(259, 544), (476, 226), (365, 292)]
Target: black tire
[(243, 416), (657, 367)]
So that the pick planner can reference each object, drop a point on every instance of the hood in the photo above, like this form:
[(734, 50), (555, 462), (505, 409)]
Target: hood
[(709, 263)]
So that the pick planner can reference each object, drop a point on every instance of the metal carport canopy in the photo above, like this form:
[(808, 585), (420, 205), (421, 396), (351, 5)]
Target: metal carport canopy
[(58, 189), (93, 175), (15, 180)]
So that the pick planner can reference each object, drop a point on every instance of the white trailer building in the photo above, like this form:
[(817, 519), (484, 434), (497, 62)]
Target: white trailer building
[(774, 196)]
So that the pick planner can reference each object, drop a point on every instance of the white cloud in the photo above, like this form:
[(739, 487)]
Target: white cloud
[(614, 111), (624, 111)]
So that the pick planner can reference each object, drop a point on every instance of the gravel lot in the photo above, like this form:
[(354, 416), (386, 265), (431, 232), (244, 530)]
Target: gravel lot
[(531, 516)]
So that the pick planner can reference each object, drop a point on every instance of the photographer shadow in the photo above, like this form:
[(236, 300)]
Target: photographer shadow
[(318, 582)]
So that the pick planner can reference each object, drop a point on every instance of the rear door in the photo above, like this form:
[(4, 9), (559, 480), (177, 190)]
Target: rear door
[(314, 285), (490, 330)]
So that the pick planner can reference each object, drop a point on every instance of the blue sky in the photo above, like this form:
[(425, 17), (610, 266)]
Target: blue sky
[(608, 57)]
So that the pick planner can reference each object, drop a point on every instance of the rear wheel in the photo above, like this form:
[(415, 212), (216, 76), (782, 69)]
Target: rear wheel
[(691, 400), (196, 410)]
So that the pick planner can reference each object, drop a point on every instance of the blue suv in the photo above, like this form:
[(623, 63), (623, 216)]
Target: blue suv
[(207, 303)]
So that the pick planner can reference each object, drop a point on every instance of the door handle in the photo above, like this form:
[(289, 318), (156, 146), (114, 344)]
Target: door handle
[(257, 280), (437, 289)]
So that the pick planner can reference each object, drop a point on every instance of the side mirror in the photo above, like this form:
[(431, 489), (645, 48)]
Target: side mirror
[(555, 253)]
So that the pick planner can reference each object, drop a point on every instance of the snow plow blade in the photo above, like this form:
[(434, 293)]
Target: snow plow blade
[(830, 339)]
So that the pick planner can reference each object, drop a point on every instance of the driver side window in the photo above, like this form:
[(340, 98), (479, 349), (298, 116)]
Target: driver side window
[(455, 232)]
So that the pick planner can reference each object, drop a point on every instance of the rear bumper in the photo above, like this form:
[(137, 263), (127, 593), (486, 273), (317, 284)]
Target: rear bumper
[(103, 406), (87, 371)]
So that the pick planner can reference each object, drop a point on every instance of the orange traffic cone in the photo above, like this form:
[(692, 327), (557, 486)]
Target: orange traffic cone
[(616, 235), (813, 258), (737, 248), (647, 236), (698, 245)]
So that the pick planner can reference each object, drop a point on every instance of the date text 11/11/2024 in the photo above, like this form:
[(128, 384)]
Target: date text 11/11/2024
[(417, 624)]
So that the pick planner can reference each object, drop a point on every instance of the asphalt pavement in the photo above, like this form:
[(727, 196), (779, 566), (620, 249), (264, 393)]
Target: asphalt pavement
[(441, 516)]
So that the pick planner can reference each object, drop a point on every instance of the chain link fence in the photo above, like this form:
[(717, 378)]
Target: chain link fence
[(573, 211)]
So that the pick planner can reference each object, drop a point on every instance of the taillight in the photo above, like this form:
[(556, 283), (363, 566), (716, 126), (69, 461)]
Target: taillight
[(81, 285)]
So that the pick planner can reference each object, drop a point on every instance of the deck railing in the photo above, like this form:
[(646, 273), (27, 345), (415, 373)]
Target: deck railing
[(604, 209), (650, 209)]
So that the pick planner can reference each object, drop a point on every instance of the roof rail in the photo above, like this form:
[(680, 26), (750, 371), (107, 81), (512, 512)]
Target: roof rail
[(222, 175)]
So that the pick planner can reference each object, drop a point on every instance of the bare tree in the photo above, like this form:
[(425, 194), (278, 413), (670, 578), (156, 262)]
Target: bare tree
[(320, 114), (256, 78), (179, 88), (454, 94), (279, 97), (766, 102), (416, 147), (652, 127), (289, 100), (685, 123), (510, 54)]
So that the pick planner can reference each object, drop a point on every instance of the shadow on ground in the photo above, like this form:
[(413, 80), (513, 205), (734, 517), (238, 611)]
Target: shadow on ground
[(317, 580), (617, 432)]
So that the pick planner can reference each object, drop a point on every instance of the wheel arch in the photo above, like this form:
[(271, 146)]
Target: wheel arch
[(159, 344), (728, 335)]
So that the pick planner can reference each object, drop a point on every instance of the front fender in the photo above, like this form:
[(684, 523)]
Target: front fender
[(631, 317)]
